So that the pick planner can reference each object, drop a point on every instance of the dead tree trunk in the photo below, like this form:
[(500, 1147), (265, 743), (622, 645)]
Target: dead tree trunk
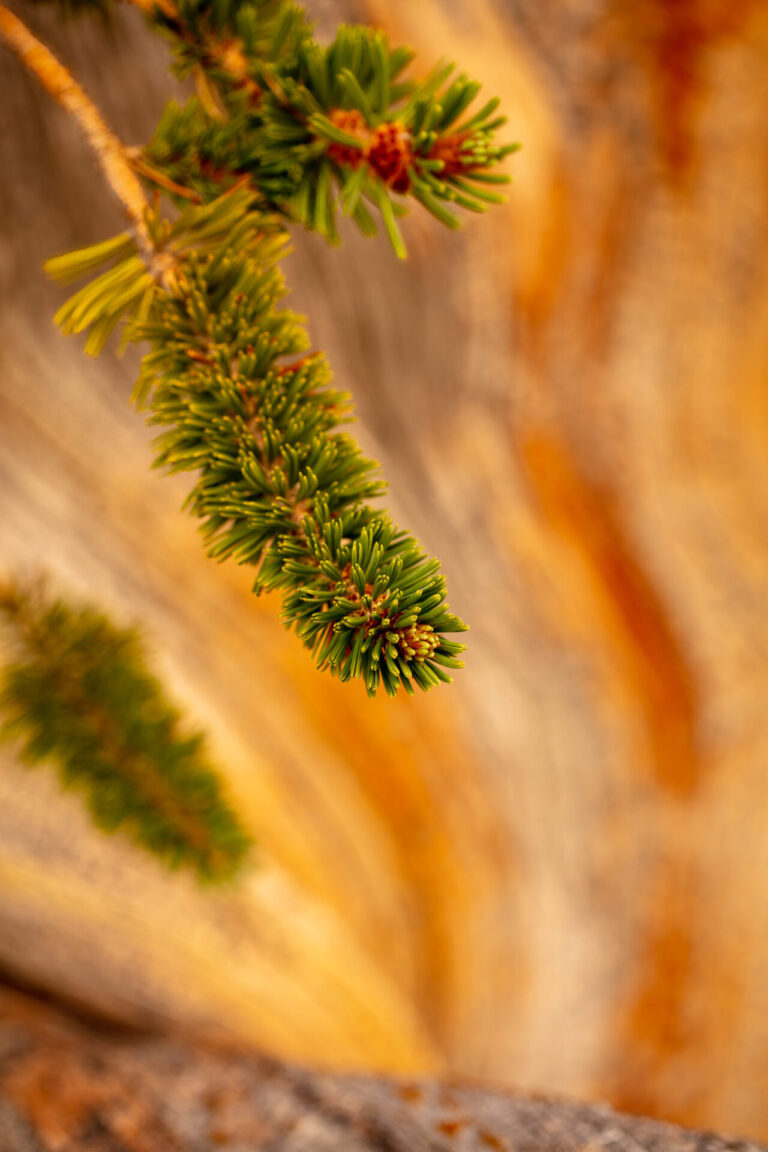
[(66, 1087)]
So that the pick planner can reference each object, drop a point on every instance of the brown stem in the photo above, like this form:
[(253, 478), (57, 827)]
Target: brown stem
[(159, 178), (109, 151)]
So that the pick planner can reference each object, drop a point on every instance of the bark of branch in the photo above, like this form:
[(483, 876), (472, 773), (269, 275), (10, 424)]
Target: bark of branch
[(66, 1085), (58, 82)]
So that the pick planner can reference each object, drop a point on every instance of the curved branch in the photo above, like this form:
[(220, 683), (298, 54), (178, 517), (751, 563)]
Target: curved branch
[(109, 151)]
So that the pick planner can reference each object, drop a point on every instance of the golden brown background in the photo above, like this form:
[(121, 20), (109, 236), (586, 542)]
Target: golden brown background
[(553, 874)]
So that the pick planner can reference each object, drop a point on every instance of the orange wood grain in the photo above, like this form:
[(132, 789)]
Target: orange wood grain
[(553, 873)]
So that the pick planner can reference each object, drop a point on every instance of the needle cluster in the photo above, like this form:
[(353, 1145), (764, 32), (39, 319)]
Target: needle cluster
[(323, 129)]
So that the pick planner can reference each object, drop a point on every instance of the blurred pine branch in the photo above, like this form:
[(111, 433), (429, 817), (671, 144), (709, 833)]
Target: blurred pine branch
[(76, 692)]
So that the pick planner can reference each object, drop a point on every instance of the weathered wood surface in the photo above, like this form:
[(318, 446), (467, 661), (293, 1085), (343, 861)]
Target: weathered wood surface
[(554, 873), (68, 1088)]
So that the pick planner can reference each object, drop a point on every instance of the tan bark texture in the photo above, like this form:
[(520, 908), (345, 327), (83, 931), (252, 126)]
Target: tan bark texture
[(69, 1088), (554, 873)]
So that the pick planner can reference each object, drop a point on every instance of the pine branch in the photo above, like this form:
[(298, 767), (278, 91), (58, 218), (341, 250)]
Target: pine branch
[(291, 131), (278, 487), (77, 693)]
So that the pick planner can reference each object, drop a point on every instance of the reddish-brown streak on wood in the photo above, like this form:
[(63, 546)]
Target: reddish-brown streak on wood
[(588, 521), (674, 40), (653, 1027), (451, 1127), (490, 1141), (660, 1028)]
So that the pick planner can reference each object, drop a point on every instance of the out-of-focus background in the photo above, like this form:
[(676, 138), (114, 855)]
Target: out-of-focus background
[(553, 874)]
